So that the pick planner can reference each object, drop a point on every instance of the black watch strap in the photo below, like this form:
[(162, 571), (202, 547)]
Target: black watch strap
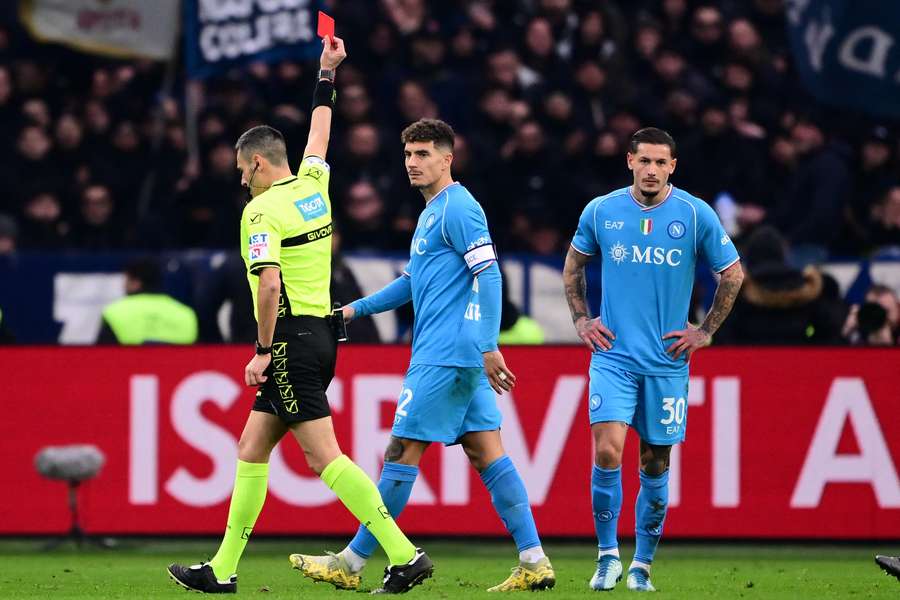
[(260, 349)]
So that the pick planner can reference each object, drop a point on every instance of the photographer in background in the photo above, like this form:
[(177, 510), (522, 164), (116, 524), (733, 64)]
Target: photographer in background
[(875, 322)]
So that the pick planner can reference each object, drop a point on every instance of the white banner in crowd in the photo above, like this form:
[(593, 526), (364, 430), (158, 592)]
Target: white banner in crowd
[(121, 28)]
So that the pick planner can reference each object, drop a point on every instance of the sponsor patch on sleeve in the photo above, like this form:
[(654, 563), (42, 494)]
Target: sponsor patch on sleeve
[(258, 246), (312, 207), (479, 255)]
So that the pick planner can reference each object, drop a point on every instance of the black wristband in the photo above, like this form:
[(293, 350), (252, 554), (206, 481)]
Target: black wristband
[(325, 94), (263, 350)]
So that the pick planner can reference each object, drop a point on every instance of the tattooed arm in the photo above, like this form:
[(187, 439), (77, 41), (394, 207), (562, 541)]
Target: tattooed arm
[(592, 332), (693, 338), (730, 281)]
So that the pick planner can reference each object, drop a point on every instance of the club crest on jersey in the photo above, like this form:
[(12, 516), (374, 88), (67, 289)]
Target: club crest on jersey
[(646, 226), (312, 207), (429, 221), (676, 230), (258, 246)]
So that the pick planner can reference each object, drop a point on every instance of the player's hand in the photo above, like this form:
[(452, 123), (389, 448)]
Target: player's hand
[(333, 52), (688, 341), (594, 334), (501, 378), (253, 372), (349, 312)]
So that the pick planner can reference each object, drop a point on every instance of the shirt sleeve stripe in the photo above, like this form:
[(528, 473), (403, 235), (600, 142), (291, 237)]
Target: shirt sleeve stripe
[(256, 267), (579, 250), (728, 265), (482, 267)]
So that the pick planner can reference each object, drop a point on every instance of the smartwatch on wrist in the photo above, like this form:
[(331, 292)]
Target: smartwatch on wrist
[(263, 350), (327, 74)]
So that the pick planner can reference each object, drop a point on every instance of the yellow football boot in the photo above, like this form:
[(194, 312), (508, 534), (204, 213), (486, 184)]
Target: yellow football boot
[(528, 577), (331, 568)]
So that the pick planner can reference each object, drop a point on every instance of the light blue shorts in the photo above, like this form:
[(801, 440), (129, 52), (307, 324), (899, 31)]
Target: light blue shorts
[(441, 404), (655, 406)]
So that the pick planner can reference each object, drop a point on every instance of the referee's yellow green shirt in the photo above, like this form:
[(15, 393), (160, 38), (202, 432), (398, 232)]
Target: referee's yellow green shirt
[(289, 226)]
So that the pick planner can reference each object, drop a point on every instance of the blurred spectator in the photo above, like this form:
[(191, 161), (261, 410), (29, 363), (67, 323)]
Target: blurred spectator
[(516, 328), (876, 322), (95, 228), (42, 224), (9, 235), (209, 211), (345, 289), (223, 301), (574, 79), (884, 231), (780, 304), (365, 222), (875, 173), (365, 156), (146, 315), (821, 175)]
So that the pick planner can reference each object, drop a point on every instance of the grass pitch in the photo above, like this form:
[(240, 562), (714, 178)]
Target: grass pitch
[(136, 569)]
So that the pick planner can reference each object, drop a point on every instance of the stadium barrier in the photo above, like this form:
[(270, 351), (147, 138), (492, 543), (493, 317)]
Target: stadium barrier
[(67, 292), (782, 443)]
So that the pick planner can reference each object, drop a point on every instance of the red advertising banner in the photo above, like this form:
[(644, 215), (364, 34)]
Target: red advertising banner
[(781, 443)]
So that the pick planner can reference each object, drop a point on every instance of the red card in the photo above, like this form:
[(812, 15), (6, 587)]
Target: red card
[(326, 25)]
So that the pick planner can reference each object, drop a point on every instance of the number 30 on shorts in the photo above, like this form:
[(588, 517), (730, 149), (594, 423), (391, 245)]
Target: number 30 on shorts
[(675, 409)]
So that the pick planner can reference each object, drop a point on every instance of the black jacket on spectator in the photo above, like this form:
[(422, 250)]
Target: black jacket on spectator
[(811, 209), (781, 305)]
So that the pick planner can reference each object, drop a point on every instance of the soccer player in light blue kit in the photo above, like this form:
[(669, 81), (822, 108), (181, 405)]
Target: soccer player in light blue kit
[(649, 237), (448, 395)]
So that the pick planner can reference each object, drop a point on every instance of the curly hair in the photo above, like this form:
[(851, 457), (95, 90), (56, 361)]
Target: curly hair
[(429, 130)]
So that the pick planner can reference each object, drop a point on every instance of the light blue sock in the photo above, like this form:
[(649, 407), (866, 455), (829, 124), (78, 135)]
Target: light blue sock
[(606, 502), (650, 514), (395, 485), (511, 502)]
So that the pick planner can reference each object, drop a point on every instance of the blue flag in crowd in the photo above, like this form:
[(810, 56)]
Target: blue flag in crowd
[(220, 35), (848, 52)]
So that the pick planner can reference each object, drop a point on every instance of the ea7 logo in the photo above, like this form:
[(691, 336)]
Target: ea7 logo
[(652, 255), (613, 224)]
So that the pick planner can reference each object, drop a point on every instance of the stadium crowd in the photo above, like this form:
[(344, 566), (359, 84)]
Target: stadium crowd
[(544, 95)]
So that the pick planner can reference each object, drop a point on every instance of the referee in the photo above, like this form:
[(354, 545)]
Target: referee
[(285, 240)]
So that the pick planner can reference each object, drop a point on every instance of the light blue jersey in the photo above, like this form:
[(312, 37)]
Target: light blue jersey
[(450, 246), (649, 256)]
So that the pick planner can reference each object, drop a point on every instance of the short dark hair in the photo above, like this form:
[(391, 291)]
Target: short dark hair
[(429, 130), (265, 141), (651, 135), (146, 270)]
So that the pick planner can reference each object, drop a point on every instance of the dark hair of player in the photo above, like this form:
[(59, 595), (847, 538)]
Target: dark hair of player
[(265, 141), (429, 130), (147, 271), (651, 135)]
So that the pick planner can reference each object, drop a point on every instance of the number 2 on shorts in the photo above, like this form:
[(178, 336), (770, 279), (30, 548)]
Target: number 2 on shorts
[(406, 395)]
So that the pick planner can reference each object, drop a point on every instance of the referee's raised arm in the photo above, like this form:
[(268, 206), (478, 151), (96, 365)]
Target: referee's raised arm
[(333, 52)]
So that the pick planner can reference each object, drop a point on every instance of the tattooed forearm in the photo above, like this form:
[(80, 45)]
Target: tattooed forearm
[(729, 286), (575, 285)]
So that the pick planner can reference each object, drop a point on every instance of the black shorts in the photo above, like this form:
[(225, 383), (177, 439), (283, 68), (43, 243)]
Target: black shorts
[(304, 354)]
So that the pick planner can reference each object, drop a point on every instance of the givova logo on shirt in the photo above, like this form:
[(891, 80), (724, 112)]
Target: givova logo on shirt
[(258, 246), (311, 207)]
